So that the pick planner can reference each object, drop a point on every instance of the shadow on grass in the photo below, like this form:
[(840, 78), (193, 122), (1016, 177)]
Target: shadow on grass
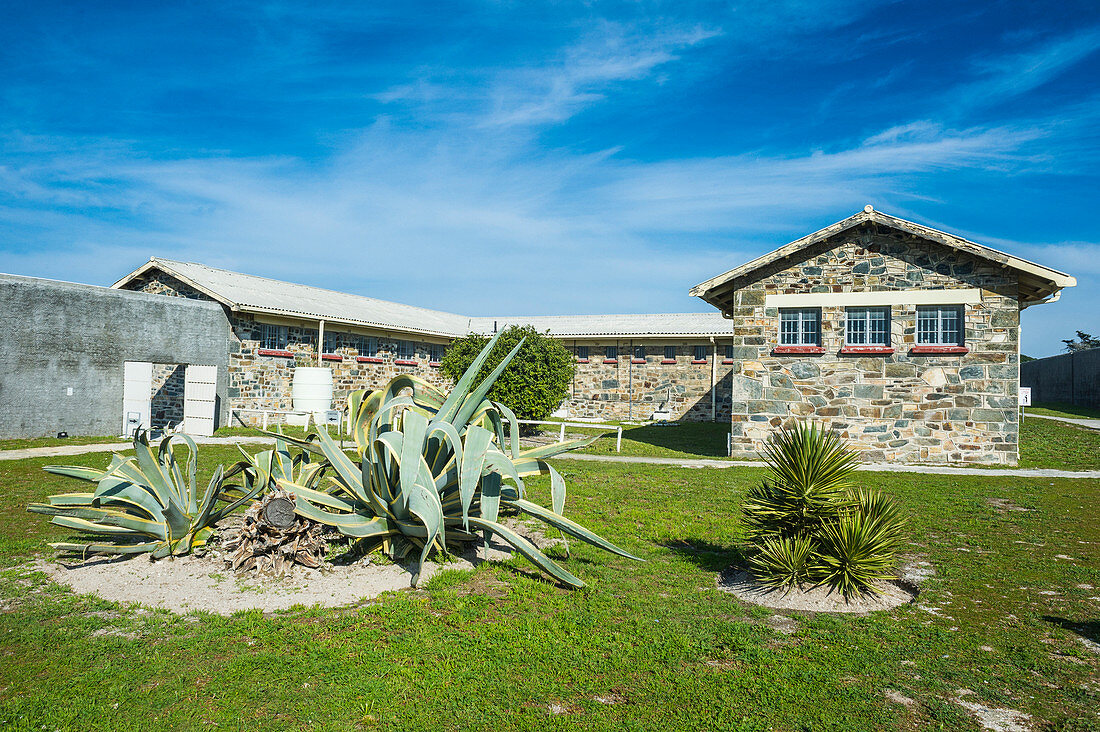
[(1089, 630), (698, 438), (707, 555)]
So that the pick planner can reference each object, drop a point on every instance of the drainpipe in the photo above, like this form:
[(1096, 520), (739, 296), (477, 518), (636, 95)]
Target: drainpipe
[(713, 380), (320, 340)]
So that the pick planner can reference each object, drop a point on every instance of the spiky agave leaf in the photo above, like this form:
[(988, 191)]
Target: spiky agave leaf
[(856, 551), (145, 503), (437, 467)]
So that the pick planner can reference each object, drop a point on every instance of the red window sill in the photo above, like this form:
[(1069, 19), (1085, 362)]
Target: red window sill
[(697, 360), (435, 364), (331, 357), (939, 349), (273, 352), (727, 360), (798, 349), (582, 360), (405, 362), (611, 360), (637, 360), (369, 359), (668, 361), (866, 350)]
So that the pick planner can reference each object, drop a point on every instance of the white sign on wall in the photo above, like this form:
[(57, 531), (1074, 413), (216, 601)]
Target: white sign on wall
[(1025, 396)]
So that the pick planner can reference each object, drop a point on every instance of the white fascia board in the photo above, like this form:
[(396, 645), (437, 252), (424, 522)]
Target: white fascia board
[(970, 296)]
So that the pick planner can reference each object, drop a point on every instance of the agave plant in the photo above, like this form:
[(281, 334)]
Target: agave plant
[(433, 468), (146, 503), (806, 522)]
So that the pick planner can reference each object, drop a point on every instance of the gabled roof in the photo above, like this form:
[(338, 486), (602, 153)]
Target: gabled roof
[(249, 293), (1037, 283)]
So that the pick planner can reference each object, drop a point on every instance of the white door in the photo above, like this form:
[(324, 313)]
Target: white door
[(200, 389), (137, 395)]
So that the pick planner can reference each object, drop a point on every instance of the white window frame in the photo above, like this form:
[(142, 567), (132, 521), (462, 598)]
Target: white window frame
[(611, 353), (699, 354), (801, 333), (864, 316), (639, 353), (937, 337), (582, 353), (274, 337), (670, 353)]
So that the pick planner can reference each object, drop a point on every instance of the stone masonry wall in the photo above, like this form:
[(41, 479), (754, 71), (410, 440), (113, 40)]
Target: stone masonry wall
[(166, 406), (900, 407), (628, 390), (258, 381), (623, 390)]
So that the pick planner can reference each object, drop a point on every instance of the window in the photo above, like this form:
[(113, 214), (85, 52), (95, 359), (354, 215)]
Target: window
[(332, 342), (940, 325), (639, 353), (582, 353), (700, 353), (611, 353), (867, 327), (670, 353), (406, 350), (366, 346), (799, 327), (437, 353), (273, 337), (729, 353)]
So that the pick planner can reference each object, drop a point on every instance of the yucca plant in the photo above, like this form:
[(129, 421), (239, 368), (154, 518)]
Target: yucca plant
[(433, 468), (806, 522), (146, 504)]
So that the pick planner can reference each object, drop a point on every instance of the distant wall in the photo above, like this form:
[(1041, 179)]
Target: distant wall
[(57, 335), (1072, 378)]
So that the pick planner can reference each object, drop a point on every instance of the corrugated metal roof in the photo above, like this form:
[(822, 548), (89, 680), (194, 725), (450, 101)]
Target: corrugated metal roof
[(259, 294)]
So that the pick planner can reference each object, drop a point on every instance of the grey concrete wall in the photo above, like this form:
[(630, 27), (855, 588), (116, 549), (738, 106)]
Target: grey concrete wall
[(1072, 378), (58, 335)]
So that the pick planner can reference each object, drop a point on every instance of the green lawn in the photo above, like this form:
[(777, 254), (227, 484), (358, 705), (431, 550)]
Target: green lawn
[(20, 443), (1015, 594)]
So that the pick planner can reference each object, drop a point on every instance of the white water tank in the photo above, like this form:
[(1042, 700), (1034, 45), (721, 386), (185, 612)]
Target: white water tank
[(311, 390)]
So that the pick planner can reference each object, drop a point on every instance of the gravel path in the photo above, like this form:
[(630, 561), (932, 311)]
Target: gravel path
[(1092, 424), (61, 450)]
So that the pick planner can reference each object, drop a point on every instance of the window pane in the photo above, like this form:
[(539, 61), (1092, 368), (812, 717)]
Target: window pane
[(788, 327), (809, 328), (670, 353), (927, 325), (878, 326), (857, 326), (611, 352), (582, 353), (639, 352), (729, 352), (700, 353)]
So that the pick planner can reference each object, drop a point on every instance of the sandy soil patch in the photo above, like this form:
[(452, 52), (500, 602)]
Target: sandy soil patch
[(203, 583), (904, 590)]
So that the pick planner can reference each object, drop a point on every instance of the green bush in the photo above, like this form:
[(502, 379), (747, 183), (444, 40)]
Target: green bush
[(533, 385), (806, 522)]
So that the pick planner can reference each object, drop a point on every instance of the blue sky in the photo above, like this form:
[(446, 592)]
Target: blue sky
[(533, 158)]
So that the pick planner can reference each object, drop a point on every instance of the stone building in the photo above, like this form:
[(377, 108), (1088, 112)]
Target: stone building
[(672, 366), (903, 338)]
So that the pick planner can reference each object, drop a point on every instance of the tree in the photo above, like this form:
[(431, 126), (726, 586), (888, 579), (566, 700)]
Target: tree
[(533, 385), (1082, 342)]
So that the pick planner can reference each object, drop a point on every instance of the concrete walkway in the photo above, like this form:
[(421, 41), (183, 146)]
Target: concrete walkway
[(61, 450), (870, 467), (1092, 424)]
